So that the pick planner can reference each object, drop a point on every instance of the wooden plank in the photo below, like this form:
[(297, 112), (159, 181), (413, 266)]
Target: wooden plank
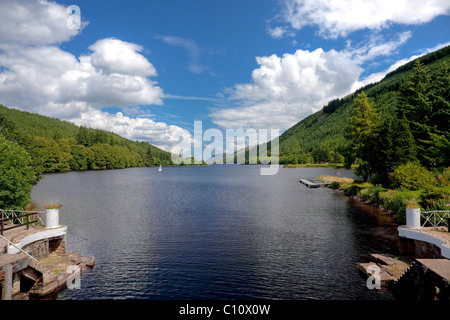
[(20, 265), (7, 284), (11, 259)]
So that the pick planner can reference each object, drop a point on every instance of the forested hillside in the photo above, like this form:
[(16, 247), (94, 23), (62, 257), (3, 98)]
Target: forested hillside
[(60, 146), (324, 136)]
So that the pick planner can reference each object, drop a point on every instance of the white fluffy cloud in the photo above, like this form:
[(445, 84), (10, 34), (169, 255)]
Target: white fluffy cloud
[(34, 22), (288, 88), (339, 18), (116, 56), (48, 80), (279, 32), (284, 90), (36, 75), (143, 129)]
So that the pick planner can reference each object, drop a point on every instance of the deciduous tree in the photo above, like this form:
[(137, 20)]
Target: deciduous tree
[(17, 176)]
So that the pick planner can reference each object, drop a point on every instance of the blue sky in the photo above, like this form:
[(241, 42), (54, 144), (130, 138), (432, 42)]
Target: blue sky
[(148, 69)]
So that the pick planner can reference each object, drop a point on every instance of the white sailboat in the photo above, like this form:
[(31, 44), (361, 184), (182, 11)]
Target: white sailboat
[(160, 168)]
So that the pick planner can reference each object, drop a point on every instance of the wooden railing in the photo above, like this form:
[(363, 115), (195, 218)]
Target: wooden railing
[(10, 219), (435, 218)]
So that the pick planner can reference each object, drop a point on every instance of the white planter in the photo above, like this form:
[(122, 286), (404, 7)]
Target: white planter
[(51, 218), (413, 218)]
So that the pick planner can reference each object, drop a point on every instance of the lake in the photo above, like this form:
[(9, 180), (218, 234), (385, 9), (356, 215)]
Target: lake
[(213, 232)]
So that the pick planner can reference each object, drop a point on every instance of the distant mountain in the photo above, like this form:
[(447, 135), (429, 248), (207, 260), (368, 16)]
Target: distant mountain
[(218, 158)]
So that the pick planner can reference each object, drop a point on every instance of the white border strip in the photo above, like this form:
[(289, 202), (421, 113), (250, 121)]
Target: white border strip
[(51, 233), (421, 236)]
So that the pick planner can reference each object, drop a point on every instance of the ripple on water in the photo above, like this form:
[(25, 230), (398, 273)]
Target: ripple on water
[(218, 232)]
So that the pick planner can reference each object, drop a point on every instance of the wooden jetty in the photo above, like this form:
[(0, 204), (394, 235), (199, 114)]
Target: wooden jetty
[(313, 184)]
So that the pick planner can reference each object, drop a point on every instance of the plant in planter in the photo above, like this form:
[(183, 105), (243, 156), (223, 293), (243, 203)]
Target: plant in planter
[(412, 204), (53, 206)]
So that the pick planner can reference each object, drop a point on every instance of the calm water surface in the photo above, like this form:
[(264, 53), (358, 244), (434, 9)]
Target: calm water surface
[(213, 232)]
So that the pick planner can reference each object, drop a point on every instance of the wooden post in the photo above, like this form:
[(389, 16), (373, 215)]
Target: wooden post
[(7, 284)]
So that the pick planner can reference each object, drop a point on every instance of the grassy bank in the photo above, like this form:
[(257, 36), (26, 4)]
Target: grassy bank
[(316, 165), (433, 197)]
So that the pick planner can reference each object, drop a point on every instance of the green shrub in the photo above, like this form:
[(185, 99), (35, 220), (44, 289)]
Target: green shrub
[(371, 193), (412, 176), (393, 200), (400, 217), (397, 202), (335, 185), (364, 194), (352, 190), (375, 193), (444, 178), (435, 198)]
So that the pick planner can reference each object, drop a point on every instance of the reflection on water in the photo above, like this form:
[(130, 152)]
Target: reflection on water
[(213, 232)]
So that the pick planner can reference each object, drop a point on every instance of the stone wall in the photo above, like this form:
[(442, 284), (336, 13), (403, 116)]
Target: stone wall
[(42, 248), (418, 249), (37, 249), (57, 245)]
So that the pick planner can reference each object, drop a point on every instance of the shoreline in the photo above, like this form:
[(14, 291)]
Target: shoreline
[(384, 252), (402, 261), (386, 224), (316, 166)]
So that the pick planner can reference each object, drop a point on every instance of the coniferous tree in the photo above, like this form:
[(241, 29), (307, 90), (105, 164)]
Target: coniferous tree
[(415, 104), (393, 146), (440, 100), (439, 150), (150, 160), (83, 137)]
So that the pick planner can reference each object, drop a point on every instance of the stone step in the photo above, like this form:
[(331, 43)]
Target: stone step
[(384, 259), (391, 269), (385, 275)]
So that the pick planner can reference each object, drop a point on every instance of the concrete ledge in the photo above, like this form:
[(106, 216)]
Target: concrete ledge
[(47, 234), (422, 235)]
